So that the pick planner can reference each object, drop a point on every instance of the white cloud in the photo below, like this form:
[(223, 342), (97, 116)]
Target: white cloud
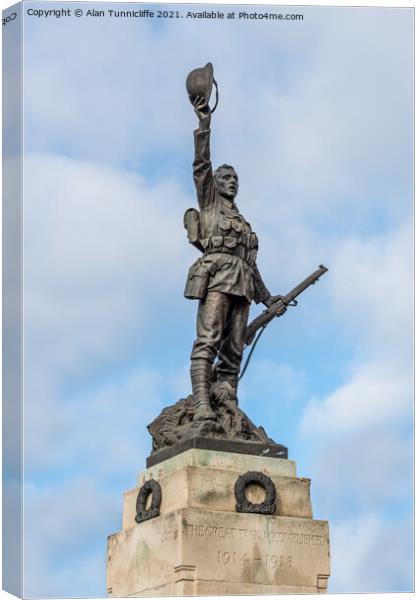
[(357, 438), (327, 134), (101, 429), (66, 522), (274, 376), (310, 116), (372, 292), (375, 555), (98, 266), (81, 453), (375, 395), (371, 298), (364, 471)]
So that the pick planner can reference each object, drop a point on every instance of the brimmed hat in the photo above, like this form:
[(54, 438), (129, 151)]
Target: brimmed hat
[(200, 83)]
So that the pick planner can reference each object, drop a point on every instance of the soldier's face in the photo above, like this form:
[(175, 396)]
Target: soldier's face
[(227, 183)]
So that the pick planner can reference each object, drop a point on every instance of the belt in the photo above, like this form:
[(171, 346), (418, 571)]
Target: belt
[(240, 251)]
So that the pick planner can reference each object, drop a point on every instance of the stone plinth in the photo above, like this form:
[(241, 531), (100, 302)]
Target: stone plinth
[(201, 545)]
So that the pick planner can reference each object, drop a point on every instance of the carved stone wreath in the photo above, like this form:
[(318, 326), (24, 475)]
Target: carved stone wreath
[(149, 487), (268, 506)]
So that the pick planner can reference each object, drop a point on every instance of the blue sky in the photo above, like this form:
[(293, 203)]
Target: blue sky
[(316, 116)]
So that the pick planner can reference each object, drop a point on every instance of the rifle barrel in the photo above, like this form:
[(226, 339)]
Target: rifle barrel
[(310, 280), (267, 315)]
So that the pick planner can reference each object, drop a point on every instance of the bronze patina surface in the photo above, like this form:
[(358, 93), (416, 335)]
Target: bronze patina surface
[(225, 280)]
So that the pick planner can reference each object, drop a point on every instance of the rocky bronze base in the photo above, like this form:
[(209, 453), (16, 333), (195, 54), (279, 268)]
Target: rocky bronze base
[(177, 429)]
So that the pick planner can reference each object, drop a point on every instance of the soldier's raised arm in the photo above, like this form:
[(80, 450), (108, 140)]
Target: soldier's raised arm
[(202, 168)]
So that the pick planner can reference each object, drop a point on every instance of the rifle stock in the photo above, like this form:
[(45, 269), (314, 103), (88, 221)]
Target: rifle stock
[(272, 311)]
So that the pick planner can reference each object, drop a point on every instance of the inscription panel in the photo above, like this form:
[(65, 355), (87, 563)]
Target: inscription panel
[(256, 549), (227, 553), (243, 533)]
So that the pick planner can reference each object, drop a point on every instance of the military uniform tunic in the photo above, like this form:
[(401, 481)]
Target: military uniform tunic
[(225, 235), (230, 251)]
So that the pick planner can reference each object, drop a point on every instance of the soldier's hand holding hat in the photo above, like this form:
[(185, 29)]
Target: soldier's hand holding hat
[(199, 87), (201, 108)]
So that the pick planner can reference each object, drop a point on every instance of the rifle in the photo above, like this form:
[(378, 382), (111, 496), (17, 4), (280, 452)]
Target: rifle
[(276, 309)]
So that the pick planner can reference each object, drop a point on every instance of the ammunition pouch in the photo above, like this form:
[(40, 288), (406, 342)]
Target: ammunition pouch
[(245, 245), (198, 279)]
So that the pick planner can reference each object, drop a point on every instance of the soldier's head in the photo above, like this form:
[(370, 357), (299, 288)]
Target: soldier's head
[(226, 181)]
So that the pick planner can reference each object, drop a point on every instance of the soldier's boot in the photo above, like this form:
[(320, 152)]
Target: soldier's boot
[(226, 384), (200, 381), (227, 389), (233, 382)]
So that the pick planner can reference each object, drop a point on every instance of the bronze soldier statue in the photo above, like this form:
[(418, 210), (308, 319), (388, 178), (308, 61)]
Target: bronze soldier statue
[(225, 278)]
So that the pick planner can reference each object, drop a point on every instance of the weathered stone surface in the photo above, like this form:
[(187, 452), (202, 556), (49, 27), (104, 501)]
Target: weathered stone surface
[(200, 545), (203, 487), (212, 459), (192, 551)]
